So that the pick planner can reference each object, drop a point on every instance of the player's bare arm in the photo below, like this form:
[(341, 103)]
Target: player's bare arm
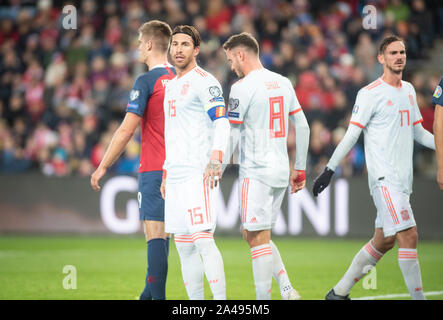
[(118, 143), (438, 136)]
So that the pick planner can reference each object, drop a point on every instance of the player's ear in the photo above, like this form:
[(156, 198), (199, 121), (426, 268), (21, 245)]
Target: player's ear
[(381, 58), (149, 44), (241, 55), (196, 51)]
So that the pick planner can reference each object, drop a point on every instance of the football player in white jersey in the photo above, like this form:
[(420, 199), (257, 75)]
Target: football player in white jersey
[(260, 105), (387, 112), (196, 137)]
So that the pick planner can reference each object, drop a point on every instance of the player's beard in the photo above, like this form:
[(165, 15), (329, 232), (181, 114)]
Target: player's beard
[(396, 69), (239, 73), (184, 64)]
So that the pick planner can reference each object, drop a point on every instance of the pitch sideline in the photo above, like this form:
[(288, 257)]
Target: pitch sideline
[(398, 295)]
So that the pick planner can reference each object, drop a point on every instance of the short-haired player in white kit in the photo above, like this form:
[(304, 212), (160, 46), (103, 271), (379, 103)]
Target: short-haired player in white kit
[(387, 112), (196, 137), (260, 104)]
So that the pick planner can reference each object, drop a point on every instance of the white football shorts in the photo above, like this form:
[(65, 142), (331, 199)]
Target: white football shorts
[(394, 212), (190, 207), (259, 204)]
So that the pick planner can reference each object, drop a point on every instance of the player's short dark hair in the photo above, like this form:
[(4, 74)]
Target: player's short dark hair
[(190, 31), (387, 41), (159, 31), (244, 39)]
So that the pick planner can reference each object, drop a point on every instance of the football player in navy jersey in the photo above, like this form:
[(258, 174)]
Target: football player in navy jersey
[(145, 107)]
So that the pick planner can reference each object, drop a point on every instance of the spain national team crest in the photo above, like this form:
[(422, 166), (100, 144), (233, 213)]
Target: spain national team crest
[(404, 215), (185, 89)]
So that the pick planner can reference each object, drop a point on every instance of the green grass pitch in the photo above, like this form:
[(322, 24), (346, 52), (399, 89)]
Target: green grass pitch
[(113, 267)]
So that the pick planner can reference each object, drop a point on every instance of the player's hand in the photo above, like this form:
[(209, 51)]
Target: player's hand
[(322, 181), (163, 188), (213, 173), (297, 180), (440, 178), (96, 176)]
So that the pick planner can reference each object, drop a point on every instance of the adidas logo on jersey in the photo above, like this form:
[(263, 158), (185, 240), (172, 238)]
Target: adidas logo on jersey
[(390, 104), (184, 89), (253, 220)]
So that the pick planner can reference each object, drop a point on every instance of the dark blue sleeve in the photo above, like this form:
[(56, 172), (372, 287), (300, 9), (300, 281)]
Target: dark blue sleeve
[(437, 98), (140, 93)]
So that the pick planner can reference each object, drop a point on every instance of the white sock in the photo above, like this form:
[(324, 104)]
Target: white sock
[(279, 271), (367, 256), (191, 266), (262, 265), (408, 262), (213, 263)]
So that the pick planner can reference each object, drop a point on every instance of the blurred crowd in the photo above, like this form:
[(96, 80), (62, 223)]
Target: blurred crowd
[(64, 92)]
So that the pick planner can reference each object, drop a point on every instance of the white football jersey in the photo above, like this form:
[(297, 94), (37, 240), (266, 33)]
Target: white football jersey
[(387, 116), (188, 127), (262, 102)]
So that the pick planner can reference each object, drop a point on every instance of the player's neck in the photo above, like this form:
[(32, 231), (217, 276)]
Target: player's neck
[(154, 61), (248, 68), (393, 79)]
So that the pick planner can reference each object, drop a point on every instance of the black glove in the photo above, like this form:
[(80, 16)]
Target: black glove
[(322, 181)]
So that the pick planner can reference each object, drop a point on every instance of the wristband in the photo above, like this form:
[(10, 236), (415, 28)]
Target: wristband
[(301, 176)]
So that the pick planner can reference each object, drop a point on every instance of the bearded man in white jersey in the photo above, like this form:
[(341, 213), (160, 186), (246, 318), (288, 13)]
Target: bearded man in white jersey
[(260, 105), (196, 137), (387, 112)]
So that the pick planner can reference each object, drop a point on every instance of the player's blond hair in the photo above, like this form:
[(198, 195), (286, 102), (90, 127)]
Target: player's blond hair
[(157, 31)]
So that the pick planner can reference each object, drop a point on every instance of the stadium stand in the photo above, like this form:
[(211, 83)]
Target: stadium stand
[(64, 92)]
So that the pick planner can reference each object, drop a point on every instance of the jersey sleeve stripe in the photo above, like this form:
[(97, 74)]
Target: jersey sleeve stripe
[(417, 122), (374, 84), (235, 121), (294, 112), (357, 124), (200, 72)]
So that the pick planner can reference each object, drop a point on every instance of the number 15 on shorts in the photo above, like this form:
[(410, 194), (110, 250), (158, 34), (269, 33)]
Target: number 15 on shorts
[(196, 216)]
